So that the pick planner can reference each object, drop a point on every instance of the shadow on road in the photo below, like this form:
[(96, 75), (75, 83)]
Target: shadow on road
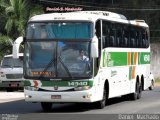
[(82, 107), (22, 107)]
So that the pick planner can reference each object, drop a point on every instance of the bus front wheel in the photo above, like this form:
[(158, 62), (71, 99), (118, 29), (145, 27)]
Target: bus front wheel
[(46, 106), (101, 104)]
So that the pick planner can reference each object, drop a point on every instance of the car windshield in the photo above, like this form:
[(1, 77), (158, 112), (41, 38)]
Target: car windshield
[(10, 62)]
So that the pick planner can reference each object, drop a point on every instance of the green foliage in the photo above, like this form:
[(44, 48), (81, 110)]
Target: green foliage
[(5, 46), (36, 10), (157, 80), (16, 13), (13, 19)]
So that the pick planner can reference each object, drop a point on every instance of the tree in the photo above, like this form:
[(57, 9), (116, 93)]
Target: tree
[(16, 12), (13, 19)]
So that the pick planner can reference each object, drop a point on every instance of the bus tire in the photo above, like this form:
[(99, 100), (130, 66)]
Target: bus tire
[(101, 104), (152, 85), (46, 106), (134, 96), (142, 81), (139, 91)]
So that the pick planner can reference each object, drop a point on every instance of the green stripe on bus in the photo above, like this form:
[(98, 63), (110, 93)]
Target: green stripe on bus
[(117, 59), (27, 83), (144, 58), (121, 59), (62, 83), (132, 58), (104, 59), (130, 72)]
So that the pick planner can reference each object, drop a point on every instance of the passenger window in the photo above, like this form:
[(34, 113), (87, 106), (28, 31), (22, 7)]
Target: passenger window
[(133, 41), (144, 38), (105, 34), (119, 36), (125, 37), (112, 40)]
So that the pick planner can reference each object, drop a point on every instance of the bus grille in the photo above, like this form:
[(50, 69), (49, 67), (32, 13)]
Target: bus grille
[(14, 76)]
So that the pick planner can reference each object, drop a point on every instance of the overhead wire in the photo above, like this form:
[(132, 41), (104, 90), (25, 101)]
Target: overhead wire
[(100, 7)]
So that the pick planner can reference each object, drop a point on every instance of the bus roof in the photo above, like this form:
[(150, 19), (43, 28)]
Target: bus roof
[(87, 16)]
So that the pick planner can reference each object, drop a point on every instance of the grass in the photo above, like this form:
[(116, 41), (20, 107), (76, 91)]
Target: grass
[(157, 80)]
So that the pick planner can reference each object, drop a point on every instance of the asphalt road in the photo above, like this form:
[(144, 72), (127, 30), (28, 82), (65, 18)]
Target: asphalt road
[(148, 104)]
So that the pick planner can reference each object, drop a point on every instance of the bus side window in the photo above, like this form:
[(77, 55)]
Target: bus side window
[(119, 36), (98, 34), (147, 38), (125, 39), (144, 39), (104, 41), (138, 39), (106, 33), (112, 41), (133, 41)]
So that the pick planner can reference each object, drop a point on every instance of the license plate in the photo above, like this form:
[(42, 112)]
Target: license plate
[(55, 96), (14, 85)]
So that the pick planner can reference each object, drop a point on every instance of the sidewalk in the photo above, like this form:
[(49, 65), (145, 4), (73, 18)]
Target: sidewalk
[(10, 96)]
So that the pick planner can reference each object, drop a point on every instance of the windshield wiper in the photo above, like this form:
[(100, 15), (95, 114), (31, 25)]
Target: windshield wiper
[(47, 66), (65, 67)]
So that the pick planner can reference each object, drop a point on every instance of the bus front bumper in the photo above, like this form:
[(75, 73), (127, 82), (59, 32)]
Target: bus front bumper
[(59, 97)]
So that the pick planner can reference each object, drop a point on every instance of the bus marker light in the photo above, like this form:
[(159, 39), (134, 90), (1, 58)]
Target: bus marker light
[(28, 96)]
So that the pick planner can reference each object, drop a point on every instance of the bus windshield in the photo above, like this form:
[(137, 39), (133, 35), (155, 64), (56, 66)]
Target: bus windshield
[(58, 50), (9, 62), (62, 59), (59, 30)]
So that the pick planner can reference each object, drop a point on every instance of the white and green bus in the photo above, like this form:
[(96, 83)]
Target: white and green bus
[(85, 57)]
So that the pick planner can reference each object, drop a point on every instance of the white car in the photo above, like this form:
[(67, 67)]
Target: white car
[(11, 72)]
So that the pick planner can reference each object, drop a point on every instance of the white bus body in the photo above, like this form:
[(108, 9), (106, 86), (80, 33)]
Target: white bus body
[(122, 66)]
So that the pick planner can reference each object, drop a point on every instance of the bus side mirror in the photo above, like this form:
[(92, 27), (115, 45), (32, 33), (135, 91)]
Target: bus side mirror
[(94, 47), (16, 45)]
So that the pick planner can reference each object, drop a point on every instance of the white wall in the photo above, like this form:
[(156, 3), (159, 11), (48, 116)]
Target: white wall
[(155, 59)]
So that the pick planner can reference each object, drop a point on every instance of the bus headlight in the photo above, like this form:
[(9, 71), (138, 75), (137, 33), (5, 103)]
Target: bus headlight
[(80, 88), (31, 88)]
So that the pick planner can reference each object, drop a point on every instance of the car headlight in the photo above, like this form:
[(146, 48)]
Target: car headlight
[(80, 88), (2, 74)]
